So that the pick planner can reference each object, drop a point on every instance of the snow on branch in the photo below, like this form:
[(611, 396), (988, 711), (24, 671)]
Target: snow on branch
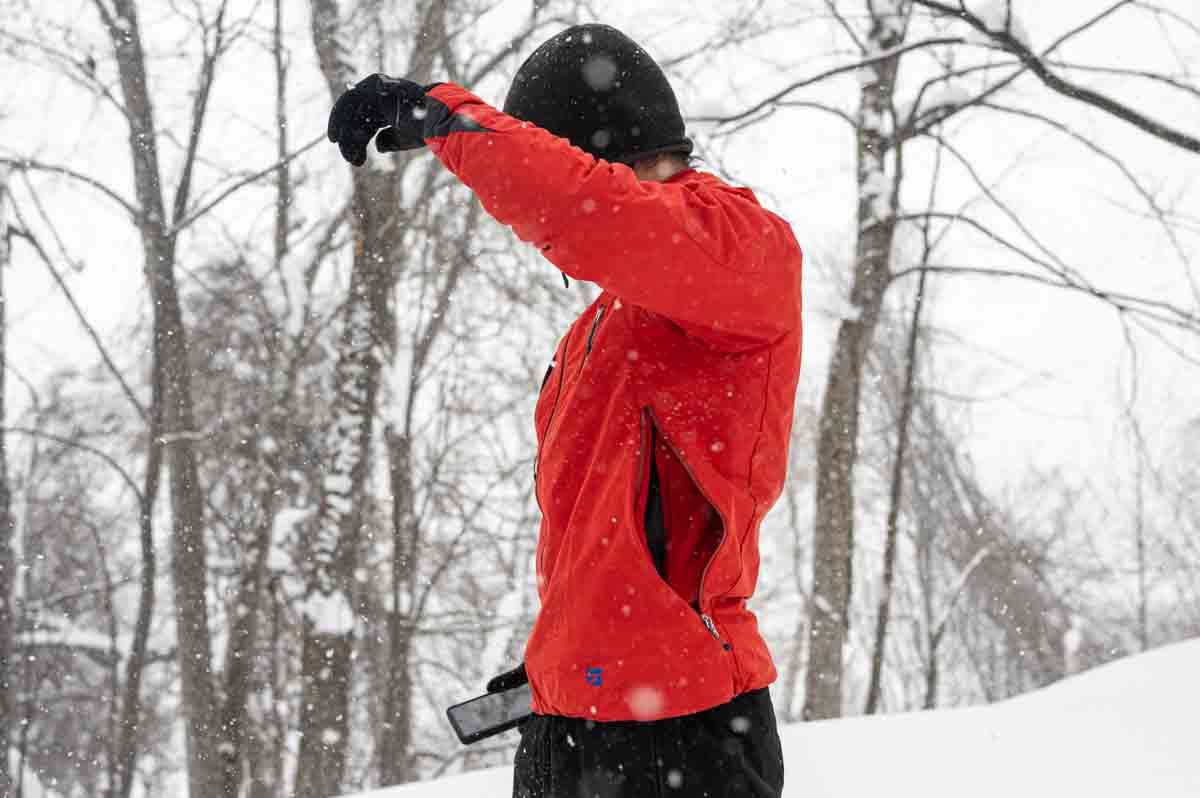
[(998, 18), (1006, 37), (64, 634)]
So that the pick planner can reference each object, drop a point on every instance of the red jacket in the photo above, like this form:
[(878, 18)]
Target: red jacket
[(692, 351)]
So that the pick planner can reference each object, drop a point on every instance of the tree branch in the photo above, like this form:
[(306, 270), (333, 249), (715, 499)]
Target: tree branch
[(879, 57), (1124, 303), (1166, 80), (1054, 263), (28, 164), (1159, 11), (69, 66), (208, 69), (1034, 63), (196, 214), (31, 239), (83, 447), (1157, 211), (909, 128), (831, 6)]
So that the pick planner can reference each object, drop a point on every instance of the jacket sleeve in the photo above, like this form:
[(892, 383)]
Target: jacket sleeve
[(703, 254)]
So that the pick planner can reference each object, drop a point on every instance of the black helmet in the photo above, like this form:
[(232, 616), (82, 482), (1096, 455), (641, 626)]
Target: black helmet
[(593, 85)]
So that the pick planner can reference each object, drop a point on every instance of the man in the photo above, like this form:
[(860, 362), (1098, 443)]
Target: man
[(662, 422)]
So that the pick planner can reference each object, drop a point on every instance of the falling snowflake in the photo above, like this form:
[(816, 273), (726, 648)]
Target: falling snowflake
[(645, 702), (600, 72)]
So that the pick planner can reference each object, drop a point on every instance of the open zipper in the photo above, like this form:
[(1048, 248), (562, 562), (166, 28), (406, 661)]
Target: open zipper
[(560, 364), (537, 458), (705, 618), (591, 337)]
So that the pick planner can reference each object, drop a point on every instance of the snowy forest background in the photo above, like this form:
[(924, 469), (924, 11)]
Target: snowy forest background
[(266, 472)]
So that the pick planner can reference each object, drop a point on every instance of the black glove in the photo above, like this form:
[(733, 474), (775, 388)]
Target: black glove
[(508, 680), (395, 105)]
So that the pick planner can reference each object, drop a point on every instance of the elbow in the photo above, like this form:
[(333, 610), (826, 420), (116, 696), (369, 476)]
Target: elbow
[(778, 297)]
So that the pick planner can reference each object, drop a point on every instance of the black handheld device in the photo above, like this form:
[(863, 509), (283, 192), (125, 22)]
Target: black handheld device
[(490, 714)]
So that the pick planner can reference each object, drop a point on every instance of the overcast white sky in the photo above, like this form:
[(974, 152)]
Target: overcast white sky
[(1050, 365)]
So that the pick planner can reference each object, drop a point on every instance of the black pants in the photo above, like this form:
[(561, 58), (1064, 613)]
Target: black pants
[(729, 751)]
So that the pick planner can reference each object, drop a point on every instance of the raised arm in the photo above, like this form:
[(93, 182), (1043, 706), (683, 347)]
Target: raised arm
[(702, 253)]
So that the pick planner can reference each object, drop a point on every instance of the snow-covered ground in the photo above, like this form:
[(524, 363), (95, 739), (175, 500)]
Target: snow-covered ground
[(1131, 728)]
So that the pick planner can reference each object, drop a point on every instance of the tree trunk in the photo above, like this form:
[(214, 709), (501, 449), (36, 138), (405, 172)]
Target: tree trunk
[(932, 637), (8, 720), (396, 730), (1139, 528), (931, 675), (892, 532), (127, 749), (189, 555), (252, 585), (332, 542), (243, 638), (837, 445), (378, 234)]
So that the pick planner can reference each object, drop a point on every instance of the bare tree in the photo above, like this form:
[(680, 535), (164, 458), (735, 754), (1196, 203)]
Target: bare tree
[(341, 397), (7, 525), (189, 558), (332, 542), (895, 500), (880, 169), (420, 237), (1006, 35), (128, 726), (883, 128)]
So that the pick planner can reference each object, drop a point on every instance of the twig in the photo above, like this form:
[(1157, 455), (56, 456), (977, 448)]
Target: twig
[(24, 233), (37, 166), (1158, 212), (191, 218), (199, 109), (1035, 64), (1124, 303), (84, 447), (839, 70)]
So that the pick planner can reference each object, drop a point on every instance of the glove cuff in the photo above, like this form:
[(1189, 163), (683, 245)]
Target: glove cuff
[(506, 681)]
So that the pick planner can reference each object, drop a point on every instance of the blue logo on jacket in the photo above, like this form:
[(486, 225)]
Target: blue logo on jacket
[(594, 676)]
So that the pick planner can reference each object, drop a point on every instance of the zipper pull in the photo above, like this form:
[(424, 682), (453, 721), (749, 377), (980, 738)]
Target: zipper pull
[(712, 627)]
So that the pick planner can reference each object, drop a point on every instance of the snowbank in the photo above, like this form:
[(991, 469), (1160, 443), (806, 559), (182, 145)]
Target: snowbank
[(1128, 728)]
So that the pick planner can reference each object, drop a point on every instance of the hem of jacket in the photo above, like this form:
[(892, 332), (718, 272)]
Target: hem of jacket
[(606, 715), (606, 709), (674, 711)]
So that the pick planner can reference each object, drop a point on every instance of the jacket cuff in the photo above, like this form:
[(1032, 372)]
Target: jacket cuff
[(445, 113), (450, 95)]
